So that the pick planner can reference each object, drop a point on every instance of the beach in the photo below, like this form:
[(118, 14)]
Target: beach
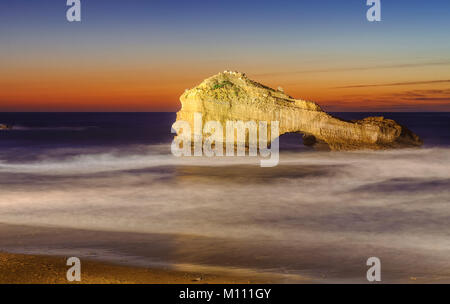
[(38, 255), (32, 254), (35, 269)]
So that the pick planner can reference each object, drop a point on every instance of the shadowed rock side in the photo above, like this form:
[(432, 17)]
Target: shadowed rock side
[(232, 96)]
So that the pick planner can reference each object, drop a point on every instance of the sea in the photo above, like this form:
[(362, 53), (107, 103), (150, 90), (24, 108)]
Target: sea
[(105, 186)]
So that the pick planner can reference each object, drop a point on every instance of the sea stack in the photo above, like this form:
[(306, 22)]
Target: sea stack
[(232, 96)]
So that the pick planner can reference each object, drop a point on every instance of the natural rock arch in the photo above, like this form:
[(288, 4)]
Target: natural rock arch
[(232, 96)]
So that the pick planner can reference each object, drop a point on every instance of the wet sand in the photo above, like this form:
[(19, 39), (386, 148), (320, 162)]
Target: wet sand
[(35, 269), (31, 254), (38, 255)]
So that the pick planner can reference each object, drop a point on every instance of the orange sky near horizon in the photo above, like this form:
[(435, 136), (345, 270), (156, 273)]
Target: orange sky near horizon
[(154, 88)]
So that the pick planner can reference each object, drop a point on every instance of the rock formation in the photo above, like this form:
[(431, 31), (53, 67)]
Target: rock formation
[(5, 127), (232, 96)]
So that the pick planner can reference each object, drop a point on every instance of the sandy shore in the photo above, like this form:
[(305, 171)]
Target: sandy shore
[(35, 269), (33, 254)]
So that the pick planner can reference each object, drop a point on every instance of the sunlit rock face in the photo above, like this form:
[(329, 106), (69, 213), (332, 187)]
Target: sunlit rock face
[(231, 96)]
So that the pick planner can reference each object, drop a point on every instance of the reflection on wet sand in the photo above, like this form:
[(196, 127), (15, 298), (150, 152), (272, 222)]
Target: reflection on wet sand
[(277, 260)]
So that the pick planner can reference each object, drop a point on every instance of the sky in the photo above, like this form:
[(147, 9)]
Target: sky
[(140, 55)]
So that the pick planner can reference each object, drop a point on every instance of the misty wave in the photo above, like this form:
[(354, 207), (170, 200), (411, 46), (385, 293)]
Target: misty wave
[(301, 180), (89, 160), (382, 201)]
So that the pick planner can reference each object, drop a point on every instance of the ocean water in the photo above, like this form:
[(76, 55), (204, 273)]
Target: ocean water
[(105, 185)]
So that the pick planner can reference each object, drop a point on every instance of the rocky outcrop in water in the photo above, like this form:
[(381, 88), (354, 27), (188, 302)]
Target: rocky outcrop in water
[(5, 127), (233, 96)]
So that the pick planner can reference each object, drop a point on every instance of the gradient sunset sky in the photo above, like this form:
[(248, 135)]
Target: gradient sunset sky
[(140, 55)]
